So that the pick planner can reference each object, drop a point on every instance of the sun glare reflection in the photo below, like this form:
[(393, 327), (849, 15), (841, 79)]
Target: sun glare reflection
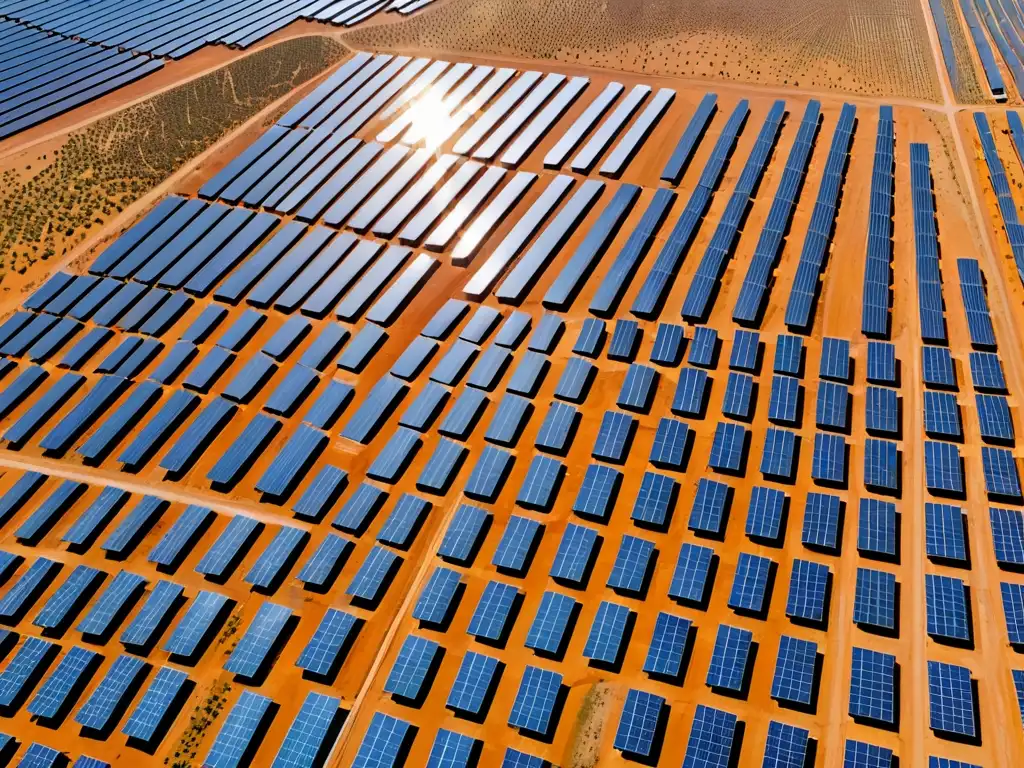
[(430, 120)]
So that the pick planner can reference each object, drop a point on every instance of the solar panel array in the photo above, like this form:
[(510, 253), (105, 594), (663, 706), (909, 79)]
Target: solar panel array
[(438, 409)]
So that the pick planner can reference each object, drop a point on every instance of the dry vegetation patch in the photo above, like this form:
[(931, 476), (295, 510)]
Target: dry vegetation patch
[(590, 719), (203, 716), (51, 203), (877, 47)]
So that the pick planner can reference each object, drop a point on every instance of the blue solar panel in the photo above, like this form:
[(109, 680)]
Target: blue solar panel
[(829, 462), (422, 412), (534, 705), (710, 507), (395, 456), (779, 453), (68, 598), (794, 679), (668, 646), (489, 473), (143, 628), (575, 380), (540, 487), (598, 491), (690, 579), (194, 625), (738, 399), (831, 411), (987, 372), (764, 514), (28, 660), (729, 448), (322, 493), (323, 651), (469, 692), (877, 528), (668, 344), (371, 580), (746, 349), (253, 649), (517, 543), (783, 405), (947, 608), (881, 362), (27, 588), (711, 739), (382, 743), (938, 368), (872, 686), (638, 387), (574, 554), (322, 566), (360, 508), (944, 532), (638, 723), (591, 337), (506, 424), (750, 583), (548, 631), (190, 444), (729, 658), (463, 533), (480, 325), (171, 548), (156, 704), (490, 619), (240, 728), (464, 415), (379, 403), (103, 704), (308, 732), (632, 563), (445, 319), (528, 375), (614, 437), (1001, 477), (875, 599), (808, 591), (604, 643), (625, 338), (943, 467), (53, 695), (881, 411), (332, 401), (951, 699), (411, 667), (435, 600), (362, 348), (241, 454), (786, 746), (942, 415), (788, 355), (1007, 535), (994, 418), (835, 359), (281, 551), (19, 493), (112, 603), (703, 347)]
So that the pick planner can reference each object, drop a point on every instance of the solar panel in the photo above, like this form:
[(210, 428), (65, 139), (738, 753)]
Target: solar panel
[(360, 508), (463, 533), (489, 473), (465, 413), (295, 457), (171, 548), (764, 514), (27, 588), (808, 591), (1001, 477), (948, 613), (528, 375), (795, 678), (53, 695), (255, 646), (516, 544), (490, 619), (480, 325), (668, 344), (632, 563), (942, 415), (195, 624), (473, 682), (832, 406), (282, 550), (598, 491), (103, 704), (875, 599), (332, 401), (489, 368), (710, 506), (308, 732), (638, 723), (410, 669), (746, 349), (547, 633), (938, 372), (835, 359), (786, 746), (614, 437), (738, 396), (69, 598), (783, 405), (881, 362), (19, 493), (1007, 536), (39, 756), (654, 500), (943, 467), (710, 744), (951, 699), (638, 388), (604, 643), (32, 656), (395, 456), (728, 450), (153, 613), (240, 727), (372, 578), (861, 755), (534, 705), (690, 579), (625, 338), (547, 333), (829, 462), (750, 583), (591, 337), (994, 418), (155, 705), (779, 453), (668, 646), (729, 658), (540, 487), (877, 528), (322, 652), (382, 743), (574, 554), (322, 493), (575, 380), (362, 348), (322, 566), (987, 372), (881, 411), (788, 355), (872, 686), (435, 600)]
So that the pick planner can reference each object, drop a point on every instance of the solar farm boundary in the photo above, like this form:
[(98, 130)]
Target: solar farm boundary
[(175, 73), (134, 212)]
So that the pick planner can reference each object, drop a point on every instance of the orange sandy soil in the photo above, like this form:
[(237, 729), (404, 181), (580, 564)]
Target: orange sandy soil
[(365, 669)]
